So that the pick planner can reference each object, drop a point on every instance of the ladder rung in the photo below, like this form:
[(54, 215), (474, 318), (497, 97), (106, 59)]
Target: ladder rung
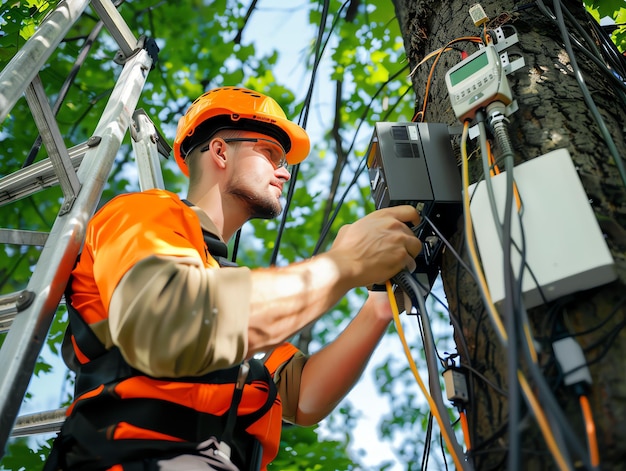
[(22, 237), (11, 304), (40, 422), (38, 176)]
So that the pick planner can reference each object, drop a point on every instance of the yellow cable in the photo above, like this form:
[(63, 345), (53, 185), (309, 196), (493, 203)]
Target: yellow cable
[(542, 421), (493, 313), (407, 351), (471, 245), (491, 310), (469, 234)]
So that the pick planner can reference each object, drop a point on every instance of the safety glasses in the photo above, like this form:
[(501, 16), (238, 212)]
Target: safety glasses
[(271, 150)]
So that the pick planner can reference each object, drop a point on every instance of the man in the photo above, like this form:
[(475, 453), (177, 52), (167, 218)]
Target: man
[(163, 339)]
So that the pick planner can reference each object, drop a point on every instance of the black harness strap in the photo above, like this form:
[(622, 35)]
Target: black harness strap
[(86, 434), (87, 430), (87, 450)]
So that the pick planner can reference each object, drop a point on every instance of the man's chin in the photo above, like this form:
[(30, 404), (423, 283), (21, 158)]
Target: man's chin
[(266, 212)]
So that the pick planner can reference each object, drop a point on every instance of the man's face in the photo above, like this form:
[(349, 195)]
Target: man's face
[(258, 173)]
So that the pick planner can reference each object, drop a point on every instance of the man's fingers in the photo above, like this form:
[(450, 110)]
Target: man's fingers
[(404, 213), (414, 246), (410, 264)]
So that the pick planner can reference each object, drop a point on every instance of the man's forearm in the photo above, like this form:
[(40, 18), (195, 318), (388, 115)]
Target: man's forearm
[(371, 250), (284, 300), (330, 373)]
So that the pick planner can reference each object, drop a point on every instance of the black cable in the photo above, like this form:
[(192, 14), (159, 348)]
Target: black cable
[(302, 121), (561, 428), (455, 322), (606, 342), (236, 245), (509, 307), (409, 285), (586, 94), (326, 228), (369, 105), (448, 245), (360, 168), (516, 320), (553, 408), (611, 54), (604, 321), (443, 452), (357, 172), (427, 440), (295, 171), (524, 266), (619, 85), (421, 328)]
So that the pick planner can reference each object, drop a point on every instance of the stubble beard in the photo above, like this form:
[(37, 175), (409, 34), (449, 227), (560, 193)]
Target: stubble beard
[(259, 207)]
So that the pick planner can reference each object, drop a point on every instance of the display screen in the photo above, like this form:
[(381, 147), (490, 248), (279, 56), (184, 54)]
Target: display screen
[(468, 69)]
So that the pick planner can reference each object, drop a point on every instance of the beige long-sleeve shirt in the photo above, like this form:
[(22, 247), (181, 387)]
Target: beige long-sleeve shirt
[(146, 283)]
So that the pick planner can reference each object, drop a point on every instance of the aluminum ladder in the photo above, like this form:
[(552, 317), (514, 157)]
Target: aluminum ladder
[(81, 171)]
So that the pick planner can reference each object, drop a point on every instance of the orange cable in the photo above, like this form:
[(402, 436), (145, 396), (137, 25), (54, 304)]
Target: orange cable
[(590, 428), (465, 428), (495, 170), (437, 55)]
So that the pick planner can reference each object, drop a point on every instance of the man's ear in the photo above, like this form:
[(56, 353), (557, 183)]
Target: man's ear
[(217, 146)]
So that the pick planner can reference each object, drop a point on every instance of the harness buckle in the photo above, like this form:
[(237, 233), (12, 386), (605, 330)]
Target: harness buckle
[(223, 450)]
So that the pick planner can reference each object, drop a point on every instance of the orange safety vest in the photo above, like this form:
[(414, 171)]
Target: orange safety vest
[(121, 415)]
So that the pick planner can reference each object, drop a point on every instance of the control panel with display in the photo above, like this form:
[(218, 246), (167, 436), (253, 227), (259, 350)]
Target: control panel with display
[(477, 81)]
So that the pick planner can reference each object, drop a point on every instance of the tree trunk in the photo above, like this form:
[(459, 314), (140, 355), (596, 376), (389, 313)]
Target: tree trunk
[(552, 114)]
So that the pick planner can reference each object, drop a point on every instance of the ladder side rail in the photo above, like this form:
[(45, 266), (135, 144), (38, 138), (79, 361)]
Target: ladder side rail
[(25, 339), (29, 60), (38, 176), (116, 25), (53, 140), (144, 139)]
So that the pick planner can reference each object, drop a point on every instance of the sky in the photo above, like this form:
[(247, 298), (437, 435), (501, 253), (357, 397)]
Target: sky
[(273, 26)]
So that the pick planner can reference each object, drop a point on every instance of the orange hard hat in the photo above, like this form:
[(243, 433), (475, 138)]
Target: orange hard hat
[(237, 108)]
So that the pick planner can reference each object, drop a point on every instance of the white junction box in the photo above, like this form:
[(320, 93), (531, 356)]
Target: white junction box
[(565, 248)]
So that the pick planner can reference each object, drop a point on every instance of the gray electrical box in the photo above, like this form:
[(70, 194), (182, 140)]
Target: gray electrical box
[(413, 163), (558, 241)]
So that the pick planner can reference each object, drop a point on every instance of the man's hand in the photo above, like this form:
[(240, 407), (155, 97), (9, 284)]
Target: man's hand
[(378, 246), (372, 250), (379, 300)]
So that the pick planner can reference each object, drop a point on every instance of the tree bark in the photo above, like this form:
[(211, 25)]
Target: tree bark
[(552, 114)]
